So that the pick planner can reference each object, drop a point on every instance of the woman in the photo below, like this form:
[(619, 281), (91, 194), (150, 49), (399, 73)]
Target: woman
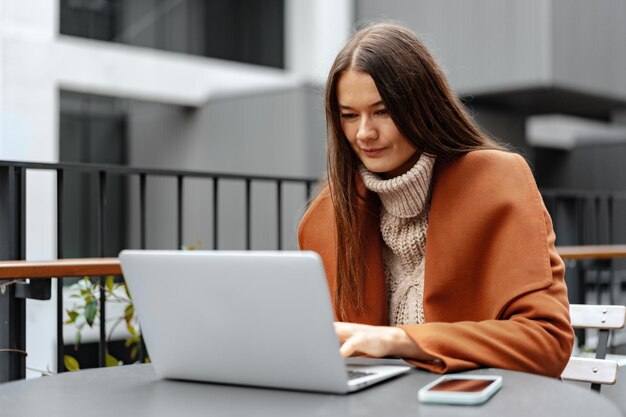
[(435, 240)]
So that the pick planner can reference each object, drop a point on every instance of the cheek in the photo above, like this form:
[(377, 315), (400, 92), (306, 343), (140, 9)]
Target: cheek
[(348, 133)]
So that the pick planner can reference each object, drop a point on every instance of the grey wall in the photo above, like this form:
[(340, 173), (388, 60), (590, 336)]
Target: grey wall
[(484, 45), (278, 134), (494, 45), (589, 51)]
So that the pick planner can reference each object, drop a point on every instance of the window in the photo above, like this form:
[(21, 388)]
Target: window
[(248, 31)]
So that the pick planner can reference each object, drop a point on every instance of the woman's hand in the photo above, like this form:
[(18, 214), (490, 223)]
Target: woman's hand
[(377, 341)]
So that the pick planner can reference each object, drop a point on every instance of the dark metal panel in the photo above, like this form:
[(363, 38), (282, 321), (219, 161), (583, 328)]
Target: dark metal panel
[(12, 308)]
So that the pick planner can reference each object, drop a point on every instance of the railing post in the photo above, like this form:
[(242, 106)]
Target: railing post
[(102, 183), (248, 214), (12, 308), (215, 213), (59, 289), (279, 214)]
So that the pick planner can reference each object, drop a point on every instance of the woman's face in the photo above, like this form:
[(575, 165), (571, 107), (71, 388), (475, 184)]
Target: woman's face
[(369, 128)]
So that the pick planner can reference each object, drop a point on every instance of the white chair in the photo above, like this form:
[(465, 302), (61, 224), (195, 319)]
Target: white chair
[(596, 370)]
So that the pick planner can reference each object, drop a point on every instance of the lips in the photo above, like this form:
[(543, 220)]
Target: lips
[(372, 152)]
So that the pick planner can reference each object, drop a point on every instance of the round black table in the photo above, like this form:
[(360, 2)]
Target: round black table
[(135, 390)]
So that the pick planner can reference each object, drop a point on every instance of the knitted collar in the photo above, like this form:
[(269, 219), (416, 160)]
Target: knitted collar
[(404, 196)]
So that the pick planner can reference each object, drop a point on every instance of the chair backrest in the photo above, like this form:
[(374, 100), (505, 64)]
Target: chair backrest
[(596, 370)]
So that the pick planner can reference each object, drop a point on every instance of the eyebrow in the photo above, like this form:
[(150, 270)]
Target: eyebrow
[(378, 103)]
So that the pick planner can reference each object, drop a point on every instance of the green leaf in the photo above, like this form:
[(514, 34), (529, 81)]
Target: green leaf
[(72, 316), (110, 360), (196, 246), (133, 352), (109, 283), (131, 341), (71, 364), (90, 311), (77, 339), (131, 329), (129, 312)]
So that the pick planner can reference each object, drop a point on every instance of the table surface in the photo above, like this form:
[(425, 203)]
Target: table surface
[(592, 252), (136, 390)]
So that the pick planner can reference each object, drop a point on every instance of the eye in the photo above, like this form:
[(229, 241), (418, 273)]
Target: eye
[(348, 115), (381, 112)]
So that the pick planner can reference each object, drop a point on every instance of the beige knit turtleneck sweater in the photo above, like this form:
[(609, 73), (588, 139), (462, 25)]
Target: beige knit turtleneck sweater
[(403, 223)]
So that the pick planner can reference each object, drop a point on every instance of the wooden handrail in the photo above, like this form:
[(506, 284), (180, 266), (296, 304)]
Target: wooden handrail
[(111, 266), (60, 268), (592, 252)]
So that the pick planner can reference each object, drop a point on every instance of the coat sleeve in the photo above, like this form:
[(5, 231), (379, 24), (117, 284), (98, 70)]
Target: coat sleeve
[(502, 301)]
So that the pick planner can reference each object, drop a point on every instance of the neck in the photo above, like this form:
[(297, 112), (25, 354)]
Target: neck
[(405, 195), (404, 168)]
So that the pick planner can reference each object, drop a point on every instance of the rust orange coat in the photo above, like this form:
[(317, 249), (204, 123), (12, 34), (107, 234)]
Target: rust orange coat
[(494, 293)]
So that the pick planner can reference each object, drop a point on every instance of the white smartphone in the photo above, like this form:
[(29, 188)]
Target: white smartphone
[(460, 389)]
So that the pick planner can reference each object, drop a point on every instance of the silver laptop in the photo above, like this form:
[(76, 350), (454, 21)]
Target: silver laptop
[(247, 318)]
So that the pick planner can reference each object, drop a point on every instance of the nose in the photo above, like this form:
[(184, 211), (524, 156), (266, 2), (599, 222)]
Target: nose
[(367, 130)]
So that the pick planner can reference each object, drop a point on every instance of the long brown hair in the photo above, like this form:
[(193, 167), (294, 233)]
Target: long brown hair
[(424, 109)]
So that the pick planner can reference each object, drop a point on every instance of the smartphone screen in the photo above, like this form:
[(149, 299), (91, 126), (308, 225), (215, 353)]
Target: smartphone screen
[(462, 385), (460, 389)]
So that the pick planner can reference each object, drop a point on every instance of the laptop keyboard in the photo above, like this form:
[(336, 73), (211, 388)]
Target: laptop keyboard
[(358, 374)]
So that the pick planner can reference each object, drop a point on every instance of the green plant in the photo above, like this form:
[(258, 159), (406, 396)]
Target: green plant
[(86, 312)]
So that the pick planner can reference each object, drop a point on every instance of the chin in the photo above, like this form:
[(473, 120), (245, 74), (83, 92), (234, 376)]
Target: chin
[(378, 169), (375, 170)]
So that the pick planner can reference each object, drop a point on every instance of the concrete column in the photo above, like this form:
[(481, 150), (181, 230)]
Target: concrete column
[(29, 131), (315, 31)]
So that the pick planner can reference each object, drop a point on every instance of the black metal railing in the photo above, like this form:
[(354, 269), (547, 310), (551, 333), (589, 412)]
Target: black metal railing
[(13, 238), (580, 217), (587, 217)]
